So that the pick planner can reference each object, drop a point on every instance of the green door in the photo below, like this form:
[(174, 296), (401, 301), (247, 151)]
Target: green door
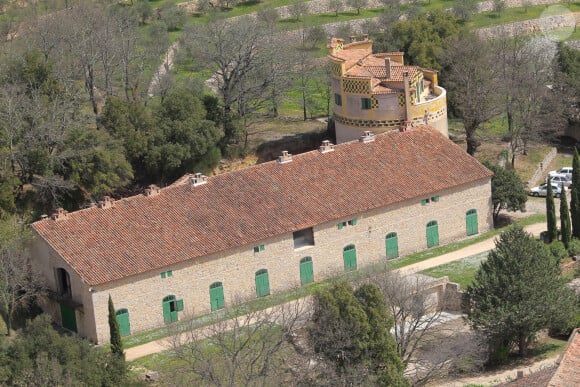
[(306, 271), (216, 296), (123, 320), (471, 222), (392, 243), (262, 283), (349, 257), (432, 234), (69, 317), (170, 308)]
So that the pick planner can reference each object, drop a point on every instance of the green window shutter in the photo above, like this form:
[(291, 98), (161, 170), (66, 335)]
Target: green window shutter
[(353, 222), (365, 103), (179, 306), (392, 245), (170, 273), (167, 311), (256, 249), (340, 225), (338, 99), (262, 248), (435, 198), (424, 202), (162, 274)]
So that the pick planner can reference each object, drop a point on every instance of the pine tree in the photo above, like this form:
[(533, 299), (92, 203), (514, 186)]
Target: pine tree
[(565, 228), (116, 342), (575, 196), (552, 234), (517, 292)]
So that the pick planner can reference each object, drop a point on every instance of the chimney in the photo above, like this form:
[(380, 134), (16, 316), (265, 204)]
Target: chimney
[(60, 214), (388, 67), (43, 216), (285, 157), (353, 39), (198, 179), (152, 190), (106, 203), (326, 147), (367, 136)]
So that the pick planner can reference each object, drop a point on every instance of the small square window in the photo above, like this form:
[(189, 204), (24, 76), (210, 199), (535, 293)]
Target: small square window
[(170, 273), (366, 103), (424, 202), (262, 248), (352, 222), (256, 249), (163, 275), (341, 225), (435, 198), (338, 99)]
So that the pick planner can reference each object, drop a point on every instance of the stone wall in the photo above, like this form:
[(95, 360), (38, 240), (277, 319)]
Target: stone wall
[(533, 26)]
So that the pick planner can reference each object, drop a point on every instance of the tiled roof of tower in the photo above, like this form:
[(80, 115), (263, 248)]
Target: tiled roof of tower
[(183, 222)]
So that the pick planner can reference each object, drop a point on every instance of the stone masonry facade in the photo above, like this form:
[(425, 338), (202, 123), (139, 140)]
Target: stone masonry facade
[(142, 294)]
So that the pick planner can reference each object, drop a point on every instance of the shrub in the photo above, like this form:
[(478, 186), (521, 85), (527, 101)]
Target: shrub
[(574, 248), (558, 250)]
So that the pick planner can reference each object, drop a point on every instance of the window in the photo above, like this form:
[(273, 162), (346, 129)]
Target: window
[(424, 202), (163, 275), (435, 198), (63, 281), (351, 222), (259, 248), (171, 307), (338, 99), (168, 273), (303, 238), (366, 103)]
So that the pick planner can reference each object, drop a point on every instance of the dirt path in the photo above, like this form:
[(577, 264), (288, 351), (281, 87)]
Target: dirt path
[(481, 247)]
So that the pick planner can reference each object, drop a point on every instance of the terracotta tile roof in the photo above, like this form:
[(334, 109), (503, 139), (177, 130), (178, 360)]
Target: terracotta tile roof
[(568, 372), (536, 379), (183, 222)]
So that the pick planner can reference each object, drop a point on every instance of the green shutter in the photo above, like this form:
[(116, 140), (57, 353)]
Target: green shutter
[(432, 234), (123, 320), (262, 248), (392, 245), (169, 273), (340, 225), (306, 271), (349, 257), (424, 202), (69, 317), (353, 222), (216, 296), (179, 305), (262, 283), (471, 222), (256, 249), (435, 198), (167, 311), (163, 275)]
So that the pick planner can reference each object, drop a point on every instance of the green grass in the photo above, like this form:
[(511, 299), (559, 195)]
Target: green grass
[(461, 272), (279, 298)]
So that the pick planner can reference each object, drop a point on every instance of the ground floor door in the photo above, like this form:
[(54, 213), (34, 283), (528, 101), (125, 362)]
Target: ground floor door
[(471, 222), (171, 307), (432, 234), (216, 296), (392, 245), (123, 320), (306, 271), (262, 283), (349, 257), (68, 317)]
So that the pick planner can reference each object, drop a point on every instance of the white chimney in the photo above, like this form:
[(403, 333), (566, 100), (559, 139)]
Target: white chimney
[(326, 147), (367, 136), (198, 179), (388, 67), (60, 214), (107, 202), (285, 157), (152, 190)]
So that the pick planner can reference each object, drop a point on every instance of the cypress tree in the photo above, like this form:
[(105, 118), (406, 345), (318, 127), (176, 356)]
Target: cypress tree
[(116, 343), (552, 233), (575, 196), (565, 228)]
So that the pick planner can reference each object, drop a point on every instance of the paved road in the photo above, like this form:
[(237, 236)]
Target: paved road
[(477, 248)]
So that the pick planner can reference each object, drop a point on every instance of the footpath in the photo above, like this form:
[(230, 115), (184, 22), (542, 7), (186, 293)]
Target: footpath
[(477, 248)]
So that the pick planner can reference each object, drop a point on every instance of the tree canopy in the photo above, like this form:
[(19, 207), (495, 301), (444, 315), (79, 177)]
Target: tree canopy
[(507, 190), (518, 291)]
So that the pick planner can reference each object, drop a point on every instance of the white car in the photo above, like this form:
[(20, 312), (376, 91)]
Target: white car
[(567, 171), (561, 179), (542, 190)]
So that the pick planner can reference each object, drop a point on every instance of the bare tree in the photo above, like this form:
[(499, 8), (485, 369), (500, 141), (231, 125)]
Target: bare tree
[(238, 350), (19, 286), (471, 83), (357, 4), (335, 6), (418, 316)]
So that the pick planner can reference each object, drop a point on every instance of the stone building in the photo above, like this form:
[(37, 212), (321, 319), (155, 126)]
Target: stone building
[(378, 92), (203, 242)]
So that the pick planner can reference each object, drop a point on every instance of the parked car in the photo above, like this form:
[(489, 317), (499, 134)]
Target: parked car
[(567, 171), (561, 179), (542, 190)]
